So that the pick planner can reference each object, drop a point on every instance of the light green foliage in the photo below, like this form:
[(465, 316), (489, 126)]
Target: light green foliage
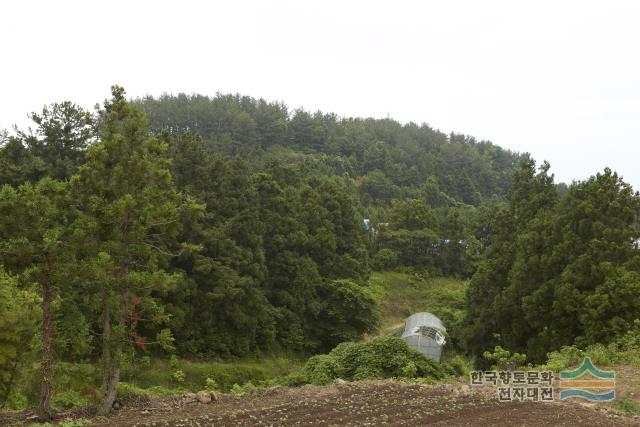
[(461, 364), (237, 390), (67, 399), (75, 385), (178, 376), (504, 360), (211, 384), (409, 370), (564, 358), (165, 340), (624, 350), (385, 357), (401, 294)]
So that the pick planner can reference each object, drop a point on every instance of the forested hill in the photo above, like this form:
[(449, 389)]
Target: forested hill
[(387, 159), (221, 227), (229, 227)]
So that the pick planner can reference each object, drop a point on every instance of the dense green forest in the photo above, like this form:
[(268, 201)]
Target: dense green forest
[(227, 228)]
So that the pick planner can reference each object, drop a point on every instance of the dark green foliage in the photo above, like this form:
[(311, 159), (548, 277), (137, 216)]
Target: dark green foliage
[(63, 133), (18, 164), (17, 327), (558, 272), (230, 227), (272, 243), (348, 309), (388, 160), (441, 241)]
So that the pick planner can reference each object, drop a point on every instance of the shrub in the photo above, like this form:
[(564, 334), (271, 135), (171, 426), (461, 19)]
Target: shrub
[(321, 369), (211, 384), (179, 375), (504, 360), (599, 354), (68, 399), (295, 379), (239, 390), (461, 365), (384, 357), (410, 370), (566, 357), (127, 391)]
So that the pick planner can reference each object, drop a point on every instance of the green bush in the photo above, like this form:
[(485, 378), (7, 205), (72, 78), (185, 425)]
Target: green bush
[(321, 369), (410, 370), (68, 399), (385, 357), (504, 359), (623, 350), (461, 365), (239, 390), (211, 384), (566, 357), (179, 375), (599, 355), (295, 379)]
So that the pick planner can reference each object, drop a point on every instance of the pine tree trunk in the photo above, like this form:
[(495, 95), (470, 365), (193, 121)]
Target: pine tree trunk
[(44, 406), (114, 372), (116, 359), (106, 349)]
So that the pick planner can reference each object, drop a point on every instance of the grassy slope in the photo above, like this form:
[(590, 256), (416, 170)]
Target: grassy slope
[(402, 294)]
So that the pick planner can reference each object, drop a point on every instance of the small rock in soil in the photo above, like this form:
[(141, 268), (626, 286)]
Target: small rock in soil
[(204, 397)]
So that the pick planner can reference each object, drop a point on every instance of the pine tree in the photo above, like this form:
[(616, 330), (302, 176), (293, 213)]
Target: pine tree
[(37, 245), (127, 192)]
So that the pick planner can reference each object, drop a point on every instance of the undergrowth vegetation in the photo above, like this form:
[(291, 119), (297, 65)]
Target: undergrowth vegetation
[(384, 357), (624, 350), (400, 294)]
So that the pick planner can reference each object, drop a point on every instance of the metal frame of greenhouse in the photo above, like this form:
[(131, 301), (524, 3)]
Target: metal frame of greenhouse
[(425, 333)]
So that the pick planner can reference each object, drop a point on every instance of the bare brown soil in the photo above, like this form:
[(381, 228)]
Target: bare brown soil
[(359, 404)]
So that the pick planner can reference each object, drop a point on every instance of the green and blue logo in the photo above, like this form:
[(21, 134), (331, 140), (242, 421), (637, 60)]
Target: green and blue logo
[(597, 386)]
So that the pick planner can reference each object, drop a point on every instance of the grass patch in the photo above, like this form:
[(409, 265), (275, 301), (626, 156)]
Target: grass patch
[(629, 406), (193, 376), (402, 294)]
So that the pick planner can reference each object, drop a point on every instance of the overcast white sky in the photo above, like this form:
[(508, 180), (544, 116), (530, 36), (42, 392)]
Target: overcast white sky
[(559, 79)]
